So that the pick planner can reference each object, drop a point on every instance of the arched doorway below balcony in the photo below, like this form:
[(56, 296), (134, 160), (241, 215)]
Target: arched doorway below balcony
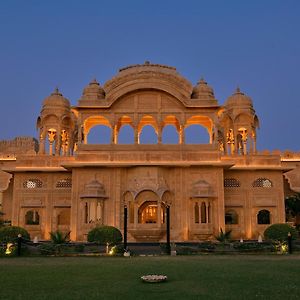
[(148, 213)]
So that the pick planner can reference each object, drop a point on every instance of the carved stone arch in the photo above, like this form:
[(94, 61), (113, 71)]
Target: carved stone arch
[(50, 119), (94, 120), (124, 120), (148, 77), (171, 119), (167, 198), (202, 120), (147, 119), (226, 120), (243, 118)]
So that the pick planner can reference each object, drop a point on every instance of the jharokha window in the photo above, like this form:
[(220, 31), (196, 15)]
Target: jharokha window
[(231, 217), (231, 183), (65, 183), (264, 217), (202, 212), (262, 183), (32, 218), (32, 184)]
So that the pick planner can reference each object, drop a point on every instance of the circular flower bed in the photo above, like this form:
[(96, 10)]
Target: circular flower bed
[(154, 278)]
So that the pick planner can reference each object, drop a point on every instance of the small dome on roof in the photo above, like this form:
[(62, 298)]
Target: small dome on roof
[(203, 91), (56, 99), (93, 91), (238, 99)]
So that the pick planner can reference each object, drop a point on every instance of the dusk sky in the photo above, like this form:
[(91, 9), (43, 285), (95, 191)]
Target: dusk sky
[(251, 44)]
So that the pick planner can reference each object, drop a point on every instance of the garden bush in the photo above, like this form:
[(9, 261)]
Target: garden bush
[(279, 232), (10, 234), (105, 235)]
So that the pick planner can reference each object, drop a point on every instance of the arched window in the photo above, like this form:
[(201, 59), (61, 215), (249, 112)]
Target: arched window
[(99, 134), (63, 218), (32, 218), (65, 183), (170, 135), (148, 135), (126, 135), (148, 212), (231, 217), (203, 213), (231, 183), (196, 134), (32, 183), (196, 208), (264, 217), (262, 183)]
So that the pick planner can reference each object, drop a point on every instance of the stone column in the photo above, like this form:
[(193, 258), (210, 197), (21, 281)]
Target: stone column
[(207, 211), (181, 135), (136, 215), (159, 135), (42, 141), (159, 214)]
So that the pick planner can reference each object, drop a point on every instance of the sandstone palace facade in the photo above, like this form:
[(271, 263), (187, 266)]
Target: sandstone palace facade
[(62, 181)]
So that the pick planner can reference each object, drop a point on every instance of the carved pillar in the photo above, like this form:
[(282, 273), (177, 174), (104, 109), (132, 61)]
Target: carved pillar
[(207, 211), (42, 141), (93, 208), (58, 142), (136, 135), (136, 214), (115, 134), (159, 214), (181, 135), (51, 138)]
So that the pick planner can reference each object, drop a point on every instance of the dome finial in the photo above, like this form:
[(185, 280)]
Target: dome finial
[(56, 91), (238, 90)]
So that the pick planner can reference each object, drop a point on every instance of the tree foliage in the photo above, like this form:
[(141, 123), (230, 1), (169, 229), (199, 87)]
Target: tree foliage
[(105, 235), (10, 234), (292, 206), (279, 232)]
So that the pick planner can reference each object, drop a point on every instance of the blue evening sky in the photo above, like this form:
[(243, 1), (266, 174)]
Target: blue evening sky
[(254, 44)]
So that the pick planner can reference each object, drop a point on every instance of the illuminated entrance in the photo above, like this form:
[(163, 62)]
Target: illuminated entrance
[(148, 213)]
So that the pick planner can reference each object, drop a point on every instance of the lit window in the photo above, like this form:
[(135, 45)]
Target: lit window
[(32, 184), (262, 182)]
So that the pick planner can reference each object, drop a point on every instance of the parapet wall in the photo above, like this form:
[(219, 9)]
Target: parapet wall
[(17, 146)]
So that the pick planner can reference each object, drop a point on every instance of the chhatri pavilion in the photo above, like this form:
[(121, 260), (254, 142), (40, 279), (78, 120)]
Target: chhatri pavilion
[(92, 159)]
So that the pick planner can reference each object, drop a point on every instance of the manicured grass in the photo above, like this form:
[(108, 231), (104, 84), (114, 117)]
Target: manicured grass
[(189, 277)]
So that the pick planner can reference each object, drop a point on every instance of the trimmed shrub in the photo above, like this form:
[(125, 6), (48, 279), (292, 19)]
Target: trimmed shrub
[(105, 235), (10, 234), (279, 232)]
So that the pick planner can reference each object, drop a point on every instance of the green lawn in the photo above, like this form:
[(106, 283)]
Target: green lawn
[(189, 277)]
